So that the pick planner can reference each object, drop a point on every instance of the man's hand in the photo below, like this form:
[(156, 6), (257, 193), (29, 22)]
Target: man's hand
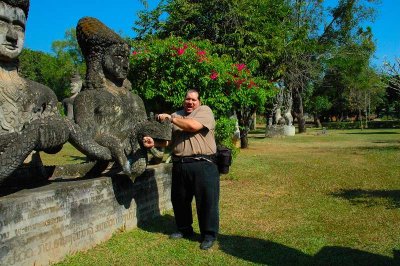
[(148, 142)]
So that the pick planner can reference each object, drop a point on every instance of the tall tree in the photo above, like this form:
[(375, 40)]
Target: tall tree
[(68, 49), (392, 71), (252, 32), (284, 39), (310, 48)]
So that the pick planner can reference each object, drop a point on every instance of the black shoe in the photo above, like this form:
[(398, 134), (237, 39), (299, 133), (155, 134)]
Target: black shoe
[(207, 244), (178, 235)]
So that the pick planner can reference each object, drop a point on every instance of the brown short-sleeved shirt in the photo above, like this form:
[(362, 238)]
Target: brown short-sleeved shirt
[(192, 143)]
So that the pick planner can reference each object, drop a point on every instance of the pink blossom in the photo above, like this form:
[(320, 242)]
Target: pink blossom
[(213, 75), (135, 53), (240, 67), (201, 53), (181, 51)]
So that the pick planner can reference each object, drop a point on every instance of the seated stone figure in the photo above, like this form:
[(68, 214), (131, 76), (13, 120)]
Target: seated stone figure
[(106, 108), (29, 118)]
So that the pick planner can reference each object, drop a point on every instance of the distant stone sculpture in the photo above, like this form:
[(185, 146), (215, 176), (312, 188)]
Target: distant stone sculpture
[(68, 103), (282, 124), (106, 108), (29, 119)]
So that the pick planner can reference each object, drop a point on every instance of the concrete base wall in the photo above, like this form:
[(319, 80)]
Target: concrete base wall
[(42, 225)]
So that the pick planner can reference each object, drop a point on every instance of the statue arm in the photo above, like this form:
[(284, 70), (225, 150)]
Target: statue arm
[(84, 113)]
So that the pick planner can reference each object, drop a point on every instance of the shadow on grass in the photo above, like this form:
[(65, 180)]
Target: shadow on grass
[(389, 198), (266, 252), (371, 133), (261, 251), (258, 136), (165, 225), (380, 148)]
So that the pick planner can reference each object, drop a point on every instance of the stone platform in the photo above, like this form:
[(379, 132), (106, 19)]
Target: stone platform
[(42, 225)]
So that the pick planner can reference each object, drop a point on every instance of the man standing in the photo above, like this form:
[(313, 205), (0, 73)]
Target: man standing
[(194, 172)]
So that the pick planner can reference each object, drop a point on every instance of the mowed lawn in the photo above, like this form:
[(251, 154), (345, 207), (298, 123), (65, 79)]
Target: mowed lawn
[(311, 199)]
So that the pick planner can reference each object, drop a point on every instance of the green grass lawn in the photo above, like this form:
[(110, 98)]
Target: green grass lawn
[(310, 199)]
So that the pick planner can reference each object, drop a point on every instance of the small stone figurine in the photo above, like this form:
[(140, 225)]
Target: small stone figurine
[(68, 103)]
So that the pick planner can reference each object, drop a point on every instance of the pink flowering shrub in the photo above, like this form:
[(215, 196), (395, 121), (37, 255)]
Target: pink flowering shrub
[(166, 69)]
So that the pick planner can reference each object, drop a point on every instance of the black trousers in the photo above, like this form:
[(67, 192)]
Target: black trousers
[(201, 180)]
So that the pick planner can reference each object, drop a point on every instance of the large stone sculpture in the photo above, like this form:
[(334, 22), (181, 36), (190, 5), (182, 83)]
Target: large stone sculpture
[(29, 119), (106, 108)]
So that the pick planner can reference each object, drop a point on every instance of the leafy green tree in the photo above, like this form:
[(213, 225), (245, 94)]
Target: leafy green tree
[(48, 70), (56, 69), (318, 105), (311, 48), (392, 72), (69, 45), (391, 77), (247, 31), (351, 84), (67, 50)]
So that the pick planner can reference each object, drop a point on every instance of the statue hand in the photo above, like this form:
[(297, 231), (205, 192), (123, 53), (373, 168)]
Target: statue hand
[(148, 142), (162, 117)]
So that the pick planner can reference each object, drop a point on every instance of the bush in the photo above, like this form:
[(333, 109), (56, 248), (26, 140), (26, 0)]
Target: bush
[(224, 131)]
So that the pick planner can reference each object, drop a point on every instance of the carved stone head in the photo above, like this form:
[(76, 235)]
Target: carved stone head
[(76, 83), (13, 14), (106, 53)]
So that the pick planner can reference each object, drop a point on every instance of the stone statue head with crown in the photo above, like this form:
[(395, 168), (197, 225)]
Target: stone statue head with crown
[(13, 15), (105, 52)]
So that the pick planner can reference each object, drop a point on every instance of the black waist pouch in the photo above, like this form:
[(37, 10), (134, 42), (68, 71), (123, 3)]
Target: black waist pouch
[(224, 159)]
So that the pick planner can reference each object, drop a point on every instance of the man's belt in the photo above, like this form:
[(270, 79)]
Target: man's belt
[(193, 158)]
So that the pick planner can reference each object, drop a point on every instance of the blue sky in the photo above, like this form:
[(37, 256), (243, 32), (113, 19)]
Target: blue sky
[(48, 21)]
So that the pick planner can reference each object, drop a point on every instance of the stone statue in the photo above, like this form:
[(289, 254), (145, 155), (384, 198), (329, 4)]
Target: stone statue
[(283, 119), (106, 108), (29, 118), (279, 120), (288, 104), (68, 103)]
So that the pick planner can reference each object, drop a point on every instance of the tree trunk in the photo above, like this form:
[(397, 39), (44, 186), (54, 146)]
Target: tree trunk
[(298, 110), (366, 110), (360, 118), (244, 121), (244, 141), (317, 121)]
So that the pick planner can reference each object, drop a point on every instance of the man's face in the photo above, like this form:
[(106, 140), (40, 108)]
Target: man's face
[(191, 102), (116, 62), (12, 31)]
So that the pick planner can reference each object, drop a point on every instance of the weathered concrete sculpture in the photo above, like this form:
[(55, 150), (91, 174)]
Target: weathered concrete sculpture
[(68, 103), (283, 123), (29, 119), (106, 108)]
